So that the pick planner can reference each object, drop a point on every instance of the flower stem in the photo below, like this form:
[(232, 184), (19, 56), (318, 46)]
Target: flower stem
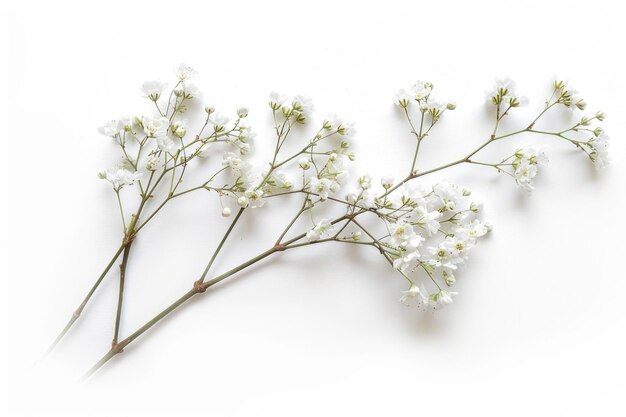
[(219, 247), (120, 297), (82, 305)]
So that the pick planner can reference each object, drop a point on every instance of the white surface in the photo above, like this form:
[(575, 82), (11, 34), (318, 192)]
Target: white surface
[(537, 330)]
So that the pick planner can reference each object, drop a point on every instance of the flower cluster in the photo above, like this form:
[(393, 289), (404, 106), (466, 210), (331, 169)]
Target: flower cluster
[(526, 165), (503, 93)]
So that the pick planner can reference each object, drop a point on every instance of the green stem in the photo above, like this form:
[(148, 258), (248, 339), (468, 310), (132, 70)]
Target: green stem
[(219, 247), (82, 305), (120, 296)]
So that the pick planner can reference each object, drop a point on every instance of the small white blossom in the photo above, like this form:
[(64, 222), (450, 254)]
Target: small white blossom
[(236, 164), (255, 198), (191, 91), (441, 299), (109, 129), (322, 187), (599, 150), (322, 227), (155, 127), (120, 177), (303, 105), (387, 181), (504, 93), (166, 144), (153, 89), (304, 163), (277, 100), (413, 294), (185, 72), (219, 121), (427, 220)]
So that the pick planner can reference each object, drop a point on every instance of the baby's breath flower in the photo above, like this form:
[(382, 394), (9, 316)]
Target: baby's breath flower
[(503, 93), (277, 100), (185, 72), (255, 198), (242, 112), (155, 127), (386, 181), (304, 163), (321, 228), (153, 89)]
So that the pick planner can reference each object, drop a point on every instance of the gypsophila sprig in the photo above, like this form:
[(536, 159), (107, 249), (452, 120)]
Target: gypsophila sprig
[(425, 231)]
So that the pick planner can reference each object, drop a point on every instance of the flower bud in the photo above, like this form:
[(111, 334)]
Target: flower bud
[(600, 116), (242, 201), (225, 212), (209, 109), (451, 105), (304, 163), (242, 112), (449, 278)]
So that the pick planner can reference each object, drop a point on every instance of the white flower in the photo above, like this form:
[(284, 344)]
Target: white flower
[(524, 175), (413, 194), (237, 165), (441, 299), (568, 96), (277, 100), (504, 93), (304, 163), (179, 128), (387, 181), (184, 72), (109, 129), (255, 198), (526, 164), (242, 112), (153, 163), (421, 90), (477, 229), (155, 127), (245, 132), (322, 227), (219, 121), (166, 144), (414, 293), (120, 177), (282, 180), (303, 105), (365, 181), (368, 199), (153, 89), (427, 220), (599, 150), (402, 235), (321, 186), (534, 156), (346, 129), (408, 254), (226, 212), (191, 91), (404, 98)]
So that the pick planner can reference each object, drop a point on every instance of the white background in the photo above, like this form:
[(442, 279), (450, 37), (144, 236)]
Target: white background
[(538, 328)]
